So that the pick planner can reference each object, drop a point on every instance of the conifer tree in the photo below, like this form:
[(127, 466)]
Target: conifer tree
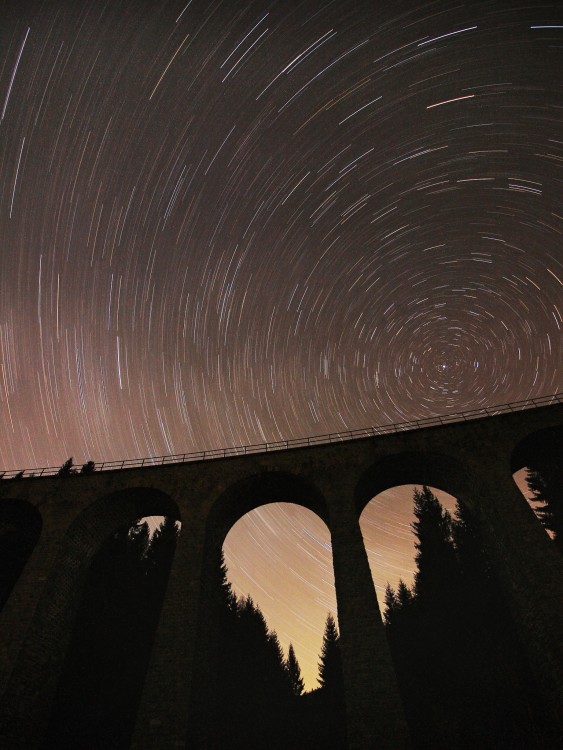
[(457, 654), (294, 672), (330, 732), (108, 656), (545, 481), (136, 547), (404, 595), (66, 469), (88, 468), (254, 689), (161, 546), (330, 665), (435, 558), (391, 605), (228, 596)]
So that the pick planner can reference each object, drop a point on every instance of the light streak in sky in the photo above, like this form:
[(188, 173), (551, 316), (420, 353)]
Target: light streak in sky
[(449, 101), (14, 71), (445, 36), (234, 244), (169, 64)]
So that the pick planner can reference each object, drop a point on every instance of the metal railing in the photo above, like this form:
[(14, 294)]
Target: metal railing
[(280, 445)]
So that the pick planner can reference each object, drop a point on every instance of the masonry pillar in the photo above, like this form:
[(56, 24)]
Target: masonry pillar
[(18, 610), (35, 629), (374, 712), (530, 571), (163, 716)]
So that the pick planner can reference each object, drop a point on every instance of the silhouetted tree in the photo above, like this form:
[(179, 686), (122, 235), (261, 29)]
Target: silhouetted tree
[(420, 623), (435, 558), (328, 709), (254, 691), (545, 481), (261, 665), (88, 468), (455, 647), (102, 678), (66, 469), (228, 597), (390, 605), (330, 664), (159, 548), (294, 672)]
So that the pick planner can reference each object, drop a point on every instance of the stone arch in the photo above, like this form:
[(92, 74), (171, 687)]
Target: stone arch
[(235, 501), (20, 528), (255, 490), (108, 513), (87, 533), (433, 469), (245, 495), (90, 677), (41, 657)]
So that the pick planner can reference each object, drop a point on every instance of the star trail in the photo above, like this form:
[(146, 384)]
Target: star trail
[(228, 223)]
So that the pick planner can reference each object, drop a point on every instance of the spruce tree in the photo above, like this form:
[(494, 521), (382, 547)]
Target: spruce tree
[(228, 596), (436, 574), (404, 595), (294, 672), (160, 548), (331, 693), (424, 645), (253, 693), (330, 665), (391, 605), (66, 469), (457, 654), (545, 481), (108, 656)]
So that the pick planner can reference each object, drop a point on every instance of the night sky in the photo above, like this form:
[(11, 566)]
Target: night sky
[(225, 223)]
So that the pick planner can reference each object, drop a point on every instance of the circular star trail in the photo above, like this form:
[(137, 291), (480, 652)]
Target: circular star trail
[(227, 223)]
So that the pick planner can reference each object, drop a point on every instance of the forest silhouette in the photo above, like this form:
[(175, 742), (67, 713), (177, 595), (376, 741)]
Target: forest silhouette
[(461, 670)]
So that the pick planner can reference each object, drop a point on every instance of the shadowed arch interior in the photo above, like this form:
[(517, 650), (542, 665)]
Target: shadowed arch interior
[(114, 611), (117, 509), (432, 469), (54, 617), (93, 526), (20, 529), (536, 447)]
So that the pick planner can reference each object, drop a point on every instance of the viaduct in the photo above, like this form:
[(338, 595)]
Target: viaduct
[(473, 457)]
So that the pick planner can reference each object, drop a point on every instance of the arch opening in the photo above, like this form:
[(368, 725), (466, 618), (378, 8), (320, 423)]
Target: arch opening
[(455, 647), (121, 594), (277, 589), (280, 555)]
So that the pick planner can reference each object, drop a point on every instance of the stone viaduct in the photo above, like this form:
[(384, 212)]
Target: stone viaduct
[(473, 460)]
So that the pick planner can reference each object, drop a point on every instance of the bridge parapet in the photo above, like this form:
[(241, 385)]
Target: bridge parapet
[(305, 442)]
